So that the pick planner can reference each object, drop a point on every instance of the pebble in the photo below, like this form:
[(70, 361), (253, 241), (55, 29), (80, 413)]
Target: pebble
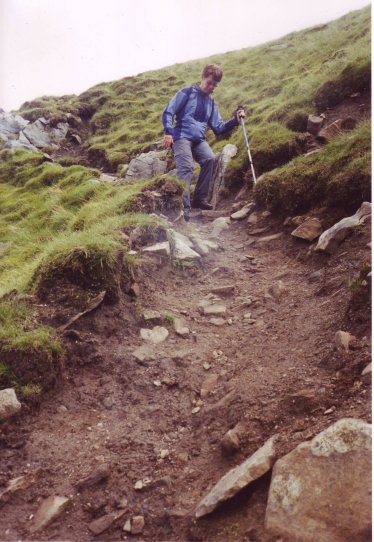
[(195, 410)]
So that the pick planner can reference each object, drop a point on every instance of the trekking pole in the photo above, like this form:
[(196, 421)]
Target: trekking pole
[(247, 144)]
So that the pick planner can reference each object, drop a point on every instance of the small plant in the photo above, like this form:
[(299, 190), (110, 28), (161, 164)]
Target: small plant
[(168, 319)]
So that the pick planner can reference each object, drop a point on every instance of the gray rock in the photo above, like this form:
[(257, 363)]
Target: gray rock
[(269, 238), (11, 124), (98, 475), (219, 224), (224, 291), (244, 212), (308, 230), (238, 478), (220, 165), (103, 523), (156, 335), (41, 134), (179, 251), (367, 370), (137, 524), (331, 238), (215, 310), (315, 123), (203, 246), (143, 353), (230, 443), (13, 144), (180, 327), (159, 249), (150, 315), (50, 509), (219, 322), (147, 165), (322, 489), (342, 340), (9, 404)]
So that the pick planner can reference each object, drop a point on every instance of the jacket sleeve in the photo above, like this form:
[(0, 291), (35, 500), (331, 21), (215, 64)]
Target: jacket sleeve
[(218, 125), (175, 104)]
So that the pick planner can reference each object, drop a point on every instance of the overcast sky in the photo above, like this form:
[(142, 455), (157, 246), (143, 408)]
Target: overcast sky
[(56, 47)]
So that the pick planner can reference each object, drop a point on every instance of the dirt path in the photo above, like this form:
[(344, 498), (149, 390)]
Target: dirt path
[(149, 419)]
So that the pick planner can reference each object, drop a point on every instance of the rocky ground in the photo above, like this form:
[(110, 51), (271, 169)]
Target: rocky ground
[(133, 438)]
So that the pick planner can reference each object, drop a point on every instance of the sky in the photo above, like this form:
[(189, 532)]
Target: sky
[(57, 47)]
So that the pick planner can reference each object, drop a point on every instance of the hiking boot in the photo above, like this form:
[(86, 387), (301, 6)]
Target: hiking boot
[(202, 204)]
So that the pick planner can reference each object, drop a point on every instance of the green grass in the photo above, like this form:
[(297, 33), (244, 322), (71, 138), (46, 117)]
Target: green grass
[(31, 357), (321, 65), (52, 217), (337, 176)]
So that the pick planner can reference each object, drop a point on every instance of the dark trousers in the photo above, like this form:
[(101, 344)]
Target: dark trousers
[(186, 153)]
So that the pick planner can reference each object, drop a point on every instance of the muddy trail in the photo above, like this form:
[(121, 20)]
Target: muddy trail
[(128, 436)]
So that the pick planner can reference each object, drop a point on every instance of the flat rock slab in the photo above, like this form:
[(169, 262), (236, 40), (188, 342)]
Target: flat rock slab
[(9, 404), (238, 478), (156, 335), (50, 509), (243, 212), (214, 310), (224, 291), (322, 489), (308, 230), (331, 238)]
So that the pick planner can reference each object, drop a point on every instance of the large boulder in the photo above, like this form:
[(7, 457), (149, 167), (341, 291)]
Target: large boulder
[(10, 125), (147, 165), (331, 238), (41, 134), (322, 489)]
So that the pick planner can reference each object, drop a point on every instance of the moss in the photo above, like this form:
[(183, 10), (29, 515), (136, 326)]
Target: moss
[(30, 357)]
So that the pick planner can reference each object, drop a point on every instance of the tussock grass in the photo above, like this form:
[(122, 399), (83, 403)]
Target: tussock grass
[(338, 175), (50, 215)]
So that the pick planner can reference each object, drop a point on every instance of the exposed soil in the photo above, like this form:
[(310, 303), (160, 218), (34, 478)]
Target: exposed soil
[(113, 409)]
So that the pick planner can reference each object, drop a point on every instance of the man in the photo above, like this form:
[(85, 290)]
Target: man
[(195, 110)]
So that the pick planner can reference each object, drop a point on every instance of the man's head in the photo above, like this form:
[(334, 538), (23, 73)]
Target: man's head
[(210, 78)]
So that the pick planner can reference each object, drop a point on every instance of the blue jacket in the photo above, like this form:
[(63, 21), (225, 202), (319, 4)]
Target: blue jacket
[(194, 111)]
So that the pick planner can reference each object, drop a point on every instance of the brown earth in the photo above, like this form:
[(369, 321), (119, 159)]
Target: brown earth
[(280, 373)]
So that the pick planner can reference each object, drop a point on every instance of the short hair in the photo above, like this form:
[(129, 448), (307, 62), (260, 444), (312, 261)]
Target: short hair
[(213, 70)]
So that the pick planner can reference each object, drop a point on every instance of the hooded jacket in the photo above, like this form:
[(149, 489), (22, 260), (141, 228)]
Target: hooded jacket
[(194, 112)]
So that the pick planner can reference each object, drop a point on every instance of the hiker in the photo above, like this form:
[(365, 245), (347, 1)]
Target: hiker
[(195, 110)]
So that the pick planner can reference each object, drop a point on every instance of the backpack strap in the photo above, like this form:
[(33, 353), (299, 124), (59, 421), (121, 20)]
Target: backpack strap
[(187, 94)]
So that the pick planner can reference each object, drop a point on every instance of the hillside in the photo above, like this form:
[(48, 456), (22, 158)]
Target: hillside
[(143, 374)]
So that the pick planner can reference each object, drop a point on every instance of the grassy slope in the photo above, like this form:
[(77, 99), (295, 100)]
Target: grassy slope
[(273, 84)]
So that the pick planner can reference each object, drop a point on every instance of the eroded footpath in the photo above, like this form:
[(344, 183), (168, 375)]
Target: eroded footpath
[(137, 434)]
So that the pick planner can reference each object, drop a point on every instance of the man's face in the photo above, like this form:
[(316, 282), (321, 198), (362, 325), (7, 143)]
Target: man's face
[(208, 84)]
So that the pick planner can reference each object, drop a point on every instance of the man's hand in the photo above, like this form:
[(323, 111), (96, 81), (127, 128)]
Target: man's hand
[(240, 114), (168, 141)]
